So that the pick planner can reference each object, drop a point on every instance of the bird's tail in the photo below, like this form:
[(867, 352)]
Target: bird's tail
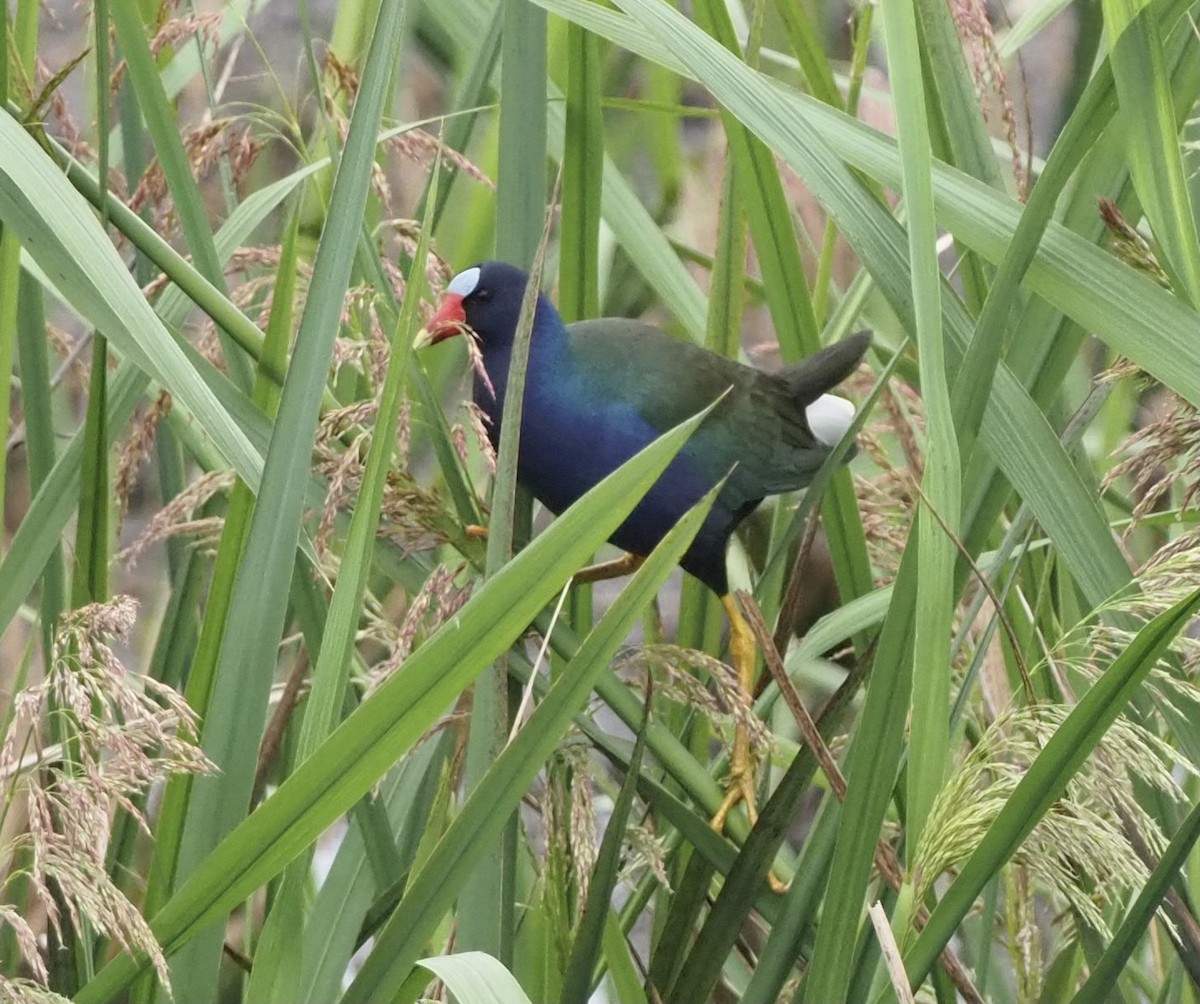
[(824, 370)]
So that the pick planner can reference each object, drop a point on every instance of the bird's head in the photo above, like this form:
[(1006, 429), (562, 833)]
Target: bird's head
[(486, 298)]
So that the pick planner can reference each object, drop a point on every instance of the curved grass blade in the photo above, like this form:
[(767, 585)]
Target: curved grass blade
[(476, 978), (62, 234), (1046, 779)]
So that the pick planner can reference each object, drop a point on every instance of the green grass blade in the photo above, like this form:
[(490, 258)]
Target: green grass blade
[(871, 772), (1152, 139), (779, 956), (331, 673), (582, 179), (40, 446), (89, 581), (769, 214), (93, 525), (808, 47), (929, 739), (89, 584), (726, 293), (958, 133), (621, 968), (958, 98), (675, 758), (693, 878), (488, 908), (582, 208), (259, 597), (10, 272), (163, 130), (521, 179), (203, 657)]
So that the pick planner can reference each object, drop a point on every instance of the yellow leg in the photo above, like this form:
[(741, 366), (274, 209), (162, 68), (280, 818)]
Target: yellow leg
[(741, 767), (614, 569)]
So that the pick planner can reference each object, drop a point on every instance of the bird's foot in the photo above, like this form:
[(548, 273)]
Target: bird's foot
[(623, 565), (741, 790)]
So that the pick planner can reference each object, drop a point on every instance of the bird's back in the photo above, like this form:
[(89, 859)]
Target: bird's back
[(760, 431)]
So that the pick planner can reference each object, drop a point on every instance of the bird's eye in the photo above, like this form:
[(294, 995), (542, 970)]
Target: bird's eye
[(483, 295)]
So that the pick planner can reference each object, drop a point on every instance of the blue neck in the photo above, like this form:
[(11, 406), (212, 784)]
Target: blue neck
[(547, 346)]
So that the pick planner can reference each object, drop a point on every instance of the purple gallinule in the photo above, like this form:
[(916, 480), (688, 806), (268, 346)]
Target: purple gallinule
[(597, 392)]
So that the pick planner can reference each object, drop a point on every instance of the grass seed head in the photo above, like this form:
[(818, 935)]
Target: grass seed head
[(125, 735)]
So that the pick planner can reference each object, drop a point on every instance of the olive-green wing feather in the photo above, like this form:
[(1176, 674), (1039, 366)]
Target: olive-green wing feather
[(759, 432)]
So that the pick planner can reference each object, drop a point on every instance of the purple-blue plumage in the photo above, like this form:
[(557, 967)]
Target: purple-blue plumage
[(597, 392)]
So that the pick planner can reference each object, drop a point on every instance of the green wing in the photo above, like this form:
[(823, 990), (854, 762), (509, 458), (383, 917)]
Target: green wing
[(759, 431)]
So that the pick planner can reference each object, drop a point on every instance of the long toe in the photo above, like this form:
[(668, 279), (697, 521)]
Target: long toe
[(741, 789)]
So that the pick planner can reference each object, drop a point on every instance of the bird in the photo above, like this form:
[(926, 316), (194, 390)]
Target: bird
[(598, 391)]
